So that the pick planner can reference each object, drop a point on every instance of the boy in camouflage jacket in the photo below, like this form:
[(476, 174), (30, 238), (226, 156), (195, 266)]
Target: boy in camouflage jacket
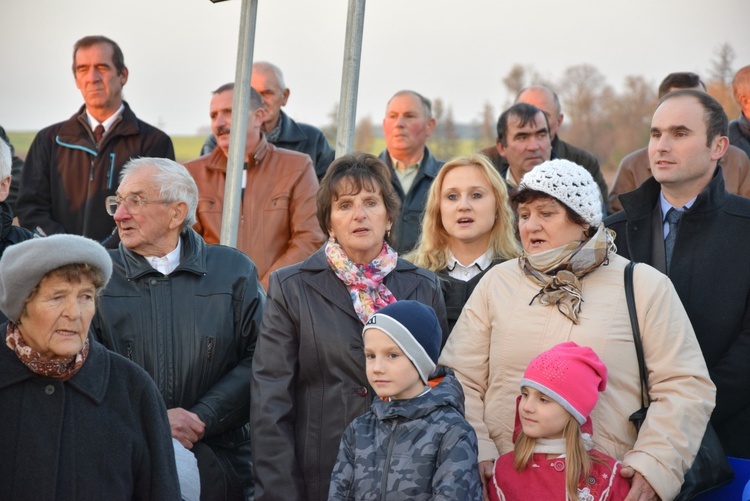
[(414, 443)]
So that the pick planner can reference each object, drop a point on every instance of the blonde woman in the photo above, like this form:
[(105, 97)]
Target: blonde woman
[(468, 227)]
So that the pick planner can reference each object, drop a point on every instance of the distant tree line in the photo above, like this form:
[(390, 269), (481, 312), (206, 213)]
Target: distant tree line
[(608, 123)]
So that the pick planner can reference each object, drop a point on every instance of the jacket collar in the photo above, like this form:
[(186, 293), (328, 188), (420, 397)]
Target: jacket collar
[(447, 392), (744, 124), (640, 202), (6, 220), (290, 131), (325, 282), (125, 125), (639, 206), (217, 160), (192, 258), (91, 380)]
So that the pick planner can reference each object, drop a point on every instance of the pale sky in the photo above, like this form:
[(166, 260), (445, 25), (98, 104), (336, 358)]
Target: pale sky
[(177, 51)]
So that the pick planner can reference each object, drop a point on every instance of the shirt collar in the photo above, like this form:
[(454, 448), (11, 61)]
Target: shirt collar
[(665, 206), (168, 263), (414, 166), (93, 122), (482, 262)]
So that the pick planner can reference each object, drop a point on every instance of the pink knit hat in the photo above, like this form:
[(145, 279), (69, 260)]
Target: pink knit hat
[(569, 374)]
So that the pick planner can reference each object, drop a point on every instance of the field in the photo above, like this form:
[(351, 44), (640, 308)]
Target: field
[(185, 147)]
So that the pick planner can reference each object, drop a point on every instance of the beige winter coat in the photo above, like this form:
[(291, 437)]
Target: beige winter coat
[(499, 333)]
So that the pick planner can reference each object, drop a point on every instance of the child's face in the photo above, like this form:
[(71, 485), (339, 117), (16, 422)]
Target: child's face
[(389, 371), (541, 417)]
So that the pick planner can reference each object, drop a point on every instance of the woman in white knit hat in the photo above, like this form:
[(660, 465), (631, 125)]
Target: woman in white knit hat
[(568, 285)]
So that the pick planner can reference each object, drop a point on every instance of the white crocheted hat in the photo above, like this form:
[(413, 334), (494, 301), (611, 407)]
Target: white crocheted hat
[(569, 183)]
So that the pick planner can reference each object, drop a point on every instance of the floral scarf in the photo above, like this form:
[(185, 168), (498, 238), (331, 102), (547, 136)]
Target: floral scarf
[(38, 363), (559, 271), (365, 281)]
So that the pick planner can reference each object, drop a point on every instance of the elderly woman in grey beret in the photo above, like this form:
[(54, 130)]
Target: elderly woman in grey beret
[(78, 422)]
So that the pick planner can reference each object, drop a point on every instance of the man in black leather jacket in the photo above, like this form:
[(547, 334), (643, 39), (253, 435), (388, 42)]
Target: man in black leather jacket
[(189, 314)]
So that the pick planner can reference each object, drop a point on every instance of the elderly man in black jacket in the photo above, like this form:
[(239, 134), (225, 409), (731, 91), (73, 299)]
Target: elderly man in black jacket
[(683, 222), (189, 314)]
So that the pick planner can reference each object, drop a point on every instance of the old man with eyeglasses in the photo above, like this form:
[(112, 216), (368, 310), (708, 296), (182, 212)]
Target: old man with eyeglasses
[(188, 313)]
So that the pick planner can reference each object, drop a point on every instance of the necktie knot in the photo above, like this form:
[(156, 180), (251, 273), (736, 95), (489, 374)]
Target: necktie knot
[(99, 133), (673, 217)]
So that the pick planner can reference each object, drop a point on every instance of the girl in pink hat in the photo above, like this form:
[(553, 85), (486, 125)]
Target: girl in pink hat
[(553, 456)]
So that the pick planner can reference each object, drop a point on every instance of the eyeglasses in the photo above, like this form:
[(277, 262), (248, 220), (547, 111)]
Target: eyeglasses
[(133, 203)]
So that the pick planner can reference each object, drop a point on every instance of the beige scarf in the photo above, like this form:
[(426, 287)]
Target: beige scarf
[(559, 271)]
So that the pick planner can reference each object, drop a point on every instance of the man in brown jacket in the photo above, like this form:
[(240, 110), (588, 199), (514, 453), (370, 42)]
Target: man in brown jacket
[(278, 225)]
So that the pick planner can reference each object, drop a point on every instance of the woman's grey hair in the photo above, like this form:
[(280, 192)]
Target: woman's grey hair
[(175, 183)]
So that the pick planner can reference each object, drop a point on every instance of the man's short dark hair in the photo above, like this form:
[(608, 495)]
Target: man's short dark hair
[(717, 123), (256, 102), (680, 80), (118, 59), (526, 113)]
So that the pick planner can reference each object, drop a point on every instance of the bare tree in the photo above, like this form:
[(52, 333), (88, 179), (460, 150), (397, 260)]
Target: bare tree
[(486, 129), (444, 140), (584, 88), (363, 135), (331, 127), (721, 66), (721, 75)]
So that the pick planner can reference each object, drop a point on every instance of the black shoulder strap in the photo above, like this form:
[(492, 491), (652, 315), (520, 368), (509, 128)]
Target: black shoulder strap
[(630, 296)]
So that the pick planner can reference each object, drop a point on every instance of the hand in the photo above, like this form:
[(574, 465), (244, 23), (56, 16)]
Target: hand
[(485, 474), (187, 427), (640, 489)]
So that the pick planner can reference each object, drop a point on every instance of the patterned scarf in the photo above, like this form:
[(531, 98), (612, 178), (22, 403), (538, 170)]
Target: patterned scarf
[(38, 363), (559, 271), (365, 282)]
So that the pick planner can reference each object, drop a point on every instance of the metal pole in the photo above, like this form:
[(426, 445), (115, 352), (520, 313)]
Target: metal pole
[(347, 114), (240, 110)]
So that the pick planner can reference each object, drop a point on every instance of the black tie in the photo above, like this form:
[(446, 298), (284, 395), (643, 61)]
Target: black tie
[(98, 133), (673, 217)]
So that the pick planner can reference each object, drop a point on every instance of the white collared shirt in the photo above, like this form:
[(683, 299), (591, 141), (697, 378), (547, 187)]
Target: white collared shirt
[(665, 206), (168, 263), (93, 122), (459, 271)]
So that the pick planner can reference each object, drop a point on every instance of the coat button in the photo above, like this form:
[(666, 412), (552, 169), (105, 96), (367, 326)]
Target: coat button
[(153, 281), (361, 391), (558, 465), (49, 389)]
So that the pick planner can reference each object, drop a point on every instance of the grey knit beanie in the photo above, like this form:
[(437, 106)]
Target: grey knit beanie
[(571, 184), (25, 264)]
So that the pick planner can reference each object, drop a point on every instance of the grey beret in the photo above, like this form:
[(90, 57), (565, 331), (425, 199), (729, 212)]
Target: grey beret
[(23, 266)]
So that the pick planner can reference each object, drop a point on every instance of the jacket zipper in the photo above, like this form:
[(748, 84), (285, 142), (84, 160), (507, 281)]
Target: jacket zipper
[(209, 348), (386, 467), (129, 350)]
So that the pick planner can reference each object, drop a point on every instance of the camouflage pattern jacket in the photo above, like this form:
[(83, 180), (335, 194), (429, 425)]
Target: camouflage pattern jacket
[(417, 449)]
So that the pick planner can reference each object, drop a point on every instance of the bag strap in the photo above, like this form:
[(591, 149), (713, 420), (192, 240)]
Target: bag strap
[(630, 297)]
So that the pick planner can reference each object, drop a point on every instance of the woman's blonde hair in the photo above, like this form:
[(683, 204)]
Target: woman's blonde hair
[(433, 248), (577, 458)]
